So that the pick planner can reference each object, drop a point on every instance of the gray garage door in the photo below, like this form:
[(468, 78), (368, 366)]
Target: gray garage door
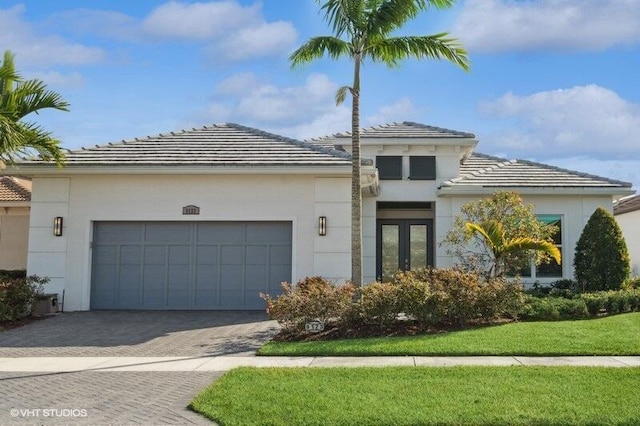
[(188, 265)]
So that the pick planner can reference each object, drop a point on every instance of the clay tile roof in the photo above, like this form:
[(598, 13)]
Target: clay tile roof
[(14, 189), (626, 205), (218, 145), (479, 170)]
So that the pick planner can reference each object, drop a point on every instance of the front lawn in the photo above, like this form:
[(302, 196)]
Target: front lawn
[(615, 335), (424, 396)]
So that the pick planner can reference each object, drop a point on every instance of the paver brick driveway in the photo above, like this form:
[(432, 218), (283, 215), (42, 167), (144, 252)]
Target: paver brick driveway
[(140, 333), (110, 397)]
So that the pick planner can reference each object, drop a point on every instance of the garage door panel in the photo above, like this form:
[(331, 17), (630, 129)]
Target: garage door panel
[(273, 233), (231, 277), (105, 255), (256, 255), (167, 232), (233, 299), (207, 255), (188, 265), (118, 232), (220, 232), (256, 277), (130, 254), (206, 276), (232, 255)]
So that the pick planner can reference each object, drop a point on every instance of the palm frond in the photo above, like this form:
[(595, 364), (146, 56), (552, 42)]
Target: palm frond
[(341, 94), (29, 139), (437, 46), (524, 244), (32, 95), (317, 47)]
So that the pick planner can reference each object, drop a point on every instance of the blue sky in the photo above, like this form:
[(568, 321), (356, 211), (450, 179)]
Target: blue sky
[(551, 81)]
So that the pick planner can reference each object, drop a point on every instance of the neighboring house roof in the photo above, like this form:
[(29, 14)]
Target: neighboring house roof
[(626, 205), (484, 171), (14, 189), (218, 145), (399, 131)]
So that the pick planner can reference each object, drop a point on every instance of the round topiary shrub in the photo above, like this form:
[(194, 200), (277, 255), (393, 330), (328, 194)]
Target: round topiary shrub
[(602, 259)]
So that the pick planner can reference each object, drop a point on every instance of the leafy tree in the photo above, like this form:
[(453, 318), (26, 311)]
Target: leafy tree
[(602, 259), (362, 30), (19, 98), (472, 249), (494, 236)]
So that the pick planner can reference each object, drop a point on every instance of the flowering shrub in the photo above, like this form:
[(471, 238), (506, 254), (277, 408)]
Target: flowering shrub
[(311, 299)]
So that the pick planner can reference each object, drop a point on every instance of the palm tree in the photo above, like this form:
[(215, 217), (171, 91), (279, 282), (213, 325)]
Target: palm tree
[(362, 30), (493, 235), (19, 98)]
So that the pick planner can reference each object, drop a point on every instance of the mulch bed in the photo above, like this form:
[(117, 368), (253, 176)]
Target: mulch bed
[(8, 325)]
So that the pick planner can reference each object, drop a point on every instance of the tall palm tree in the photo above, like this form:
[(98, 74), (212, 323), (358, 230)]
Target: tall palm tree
[(19, 98), (493, 235), (362, 30)]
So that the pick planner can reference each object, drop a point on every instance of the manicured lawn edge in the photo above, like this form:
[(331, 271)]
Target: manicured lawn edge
[(609, 336), (422, 395)]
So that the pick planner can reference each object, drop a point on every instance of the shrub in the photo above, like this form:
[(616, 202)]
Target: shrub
[(602, 259), (11, 274), (311, 299), (17, 296), (380, 304), (553, 308)]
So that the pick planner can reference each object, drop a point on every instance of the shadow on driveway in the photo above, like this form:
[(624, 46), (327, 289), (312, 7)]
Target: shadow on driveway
[(140, 333)]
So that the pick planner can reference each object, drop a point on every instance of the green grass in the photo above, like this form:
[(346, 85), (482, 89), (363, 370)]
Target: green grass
[(424, 396), (615, 335)]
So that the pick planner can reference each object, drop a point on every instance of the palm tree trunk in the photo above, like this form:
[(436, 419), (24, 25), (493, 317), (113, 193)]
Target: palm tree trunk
[(356, 193)]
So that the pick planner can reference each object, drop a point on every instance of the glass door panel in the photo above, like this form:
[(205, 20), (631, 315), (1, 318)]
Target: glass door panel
[(417, 247), (390, 256)]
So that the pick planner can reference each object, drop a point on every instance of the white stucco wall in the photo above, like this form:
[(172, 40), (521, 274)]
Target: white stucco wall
[(14, 237), (83, 199), (574, 209), (630, 224), (447, 167)]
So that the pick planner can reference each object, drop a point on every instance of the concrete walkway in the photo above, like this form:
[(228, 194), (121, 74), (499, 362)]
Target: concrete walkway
[(225, 363)]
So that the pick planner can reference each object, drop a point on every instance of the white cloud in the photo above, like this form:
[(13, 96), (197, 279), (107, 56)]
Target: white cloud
[(401, 110), (266, 105), (558, 25), (200, 20), (31, 48), (266, 39), (227, 31), (589, 121), (54, 79)]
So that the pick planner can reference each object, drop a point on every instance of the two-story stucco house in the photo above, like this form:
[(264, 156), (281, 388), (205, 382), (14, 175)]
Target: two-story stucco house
[(208, 218)]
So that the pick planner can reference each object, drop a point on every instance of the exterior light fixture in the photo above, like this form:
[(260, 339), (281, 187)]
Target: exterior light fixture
[(57, 226), (322, 226)]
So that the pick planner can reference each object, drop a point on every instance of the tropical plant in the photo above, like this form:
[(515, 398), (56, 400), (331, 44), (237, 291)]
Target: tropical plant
[(494, 236), (602, 259), (518, 220), (19, 98), (362, 30)]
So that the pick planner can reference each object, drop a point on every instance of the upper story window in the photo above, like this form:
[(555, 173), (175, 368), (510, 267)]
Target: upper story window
[(422, 168), (389, 167)]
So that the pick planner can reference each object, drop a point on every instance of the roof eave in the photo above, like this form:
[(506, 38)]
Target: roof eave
[(445, 190), (170, 169)]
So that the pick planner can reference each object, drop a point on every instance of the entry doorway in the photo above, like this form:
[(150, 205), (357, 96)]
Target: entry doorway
[(403, 245)]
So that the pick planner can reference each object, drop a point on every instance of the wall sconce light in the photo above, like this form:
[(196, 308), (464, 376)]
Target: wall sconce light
[(322, 226), (57, 226)]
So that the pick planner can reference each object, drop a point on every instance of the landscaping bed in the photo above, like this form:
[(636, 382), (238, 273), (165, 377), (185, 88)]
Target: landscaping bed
[(614, 335)]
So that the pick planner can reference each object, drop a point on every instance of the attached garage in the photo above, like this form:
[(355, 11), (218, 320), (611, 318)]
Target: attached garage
[(188, 265)]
